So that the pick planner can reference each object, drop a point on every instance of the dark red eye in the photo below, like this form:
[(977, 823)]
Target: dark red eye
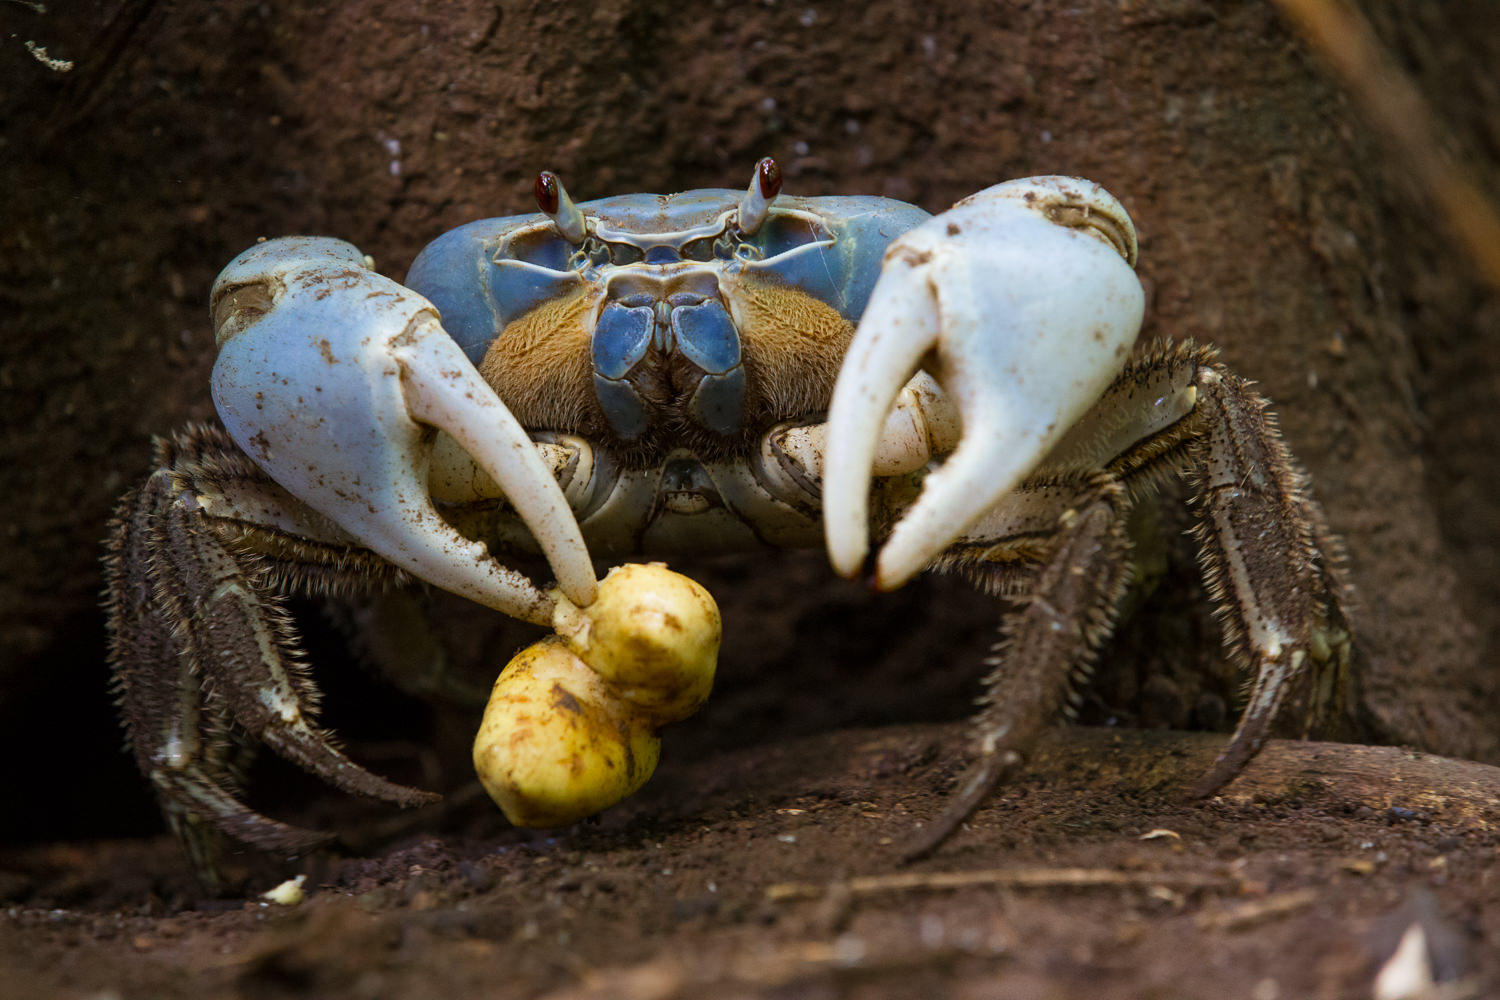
[(548, 191), (769, 172)]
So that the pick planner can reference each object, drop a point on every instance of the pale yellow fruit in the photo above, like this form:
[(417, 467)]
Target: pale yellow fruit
[(652, 634), (571, 724), (556, 743)]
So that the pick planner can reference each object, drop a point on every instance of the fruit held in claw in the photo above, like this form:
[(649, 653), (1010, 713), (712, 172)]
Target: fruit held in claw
[(556, 744), (570, 728), (652, 634)]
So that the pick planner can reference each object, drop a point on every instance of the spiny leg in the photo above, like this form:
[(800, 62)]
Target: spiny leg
[(1268, 557), (1049, 638), (187, 611), (182, 745), (1272, 565)]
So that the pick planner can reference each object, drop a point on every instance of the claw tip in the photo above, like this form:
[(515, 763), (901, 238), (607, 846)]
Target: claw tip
[(885, 577)]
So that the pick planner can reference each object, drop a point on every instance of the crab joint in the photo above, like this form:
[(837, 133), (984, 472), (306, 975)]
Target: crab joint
[(922, 424), (570, 728)]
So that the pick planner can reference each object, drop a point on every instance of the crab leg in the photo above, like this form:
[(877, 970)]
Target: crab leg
[(330, 377), (177, 748), (1270, 563), (241, 644), (1048, 641), (184, 607), (1021, 302)]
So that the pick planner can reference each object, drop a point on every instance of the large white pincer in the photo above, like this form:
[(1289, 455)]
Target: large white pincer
[(332, 377), (1022, 302)]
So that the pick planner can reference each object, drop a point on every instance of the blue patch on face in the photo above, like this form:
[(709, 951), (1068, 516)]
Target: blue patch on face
[(719, 401), (622, 407), (706, 336), (621, 337)]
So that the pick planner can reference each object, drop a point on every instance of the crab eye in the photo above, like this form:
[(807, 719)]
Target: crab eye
[(765, 185), (552, 198)]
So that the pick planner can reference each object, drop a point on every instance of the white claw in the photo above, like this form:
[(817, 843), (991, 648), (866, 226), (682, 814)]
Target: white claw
[(442, 389), (329, 376), (1022, 303)]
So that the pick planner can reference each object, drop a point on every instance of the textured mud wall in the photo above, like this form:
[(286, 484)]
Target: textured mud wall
[(1271, 224)]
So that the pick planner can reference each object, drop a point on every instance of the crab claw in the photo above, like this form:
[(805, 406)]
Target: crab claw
[(331, 377), (1022, 302)]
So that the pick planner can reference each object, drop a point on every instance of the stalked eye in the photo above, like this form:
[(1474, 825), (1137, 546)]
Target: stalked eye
[(552, 198), (765, 185)]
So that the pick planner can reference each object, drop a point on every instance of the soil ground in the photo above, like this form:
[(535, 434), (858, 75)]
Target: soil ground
[(1273, 224)]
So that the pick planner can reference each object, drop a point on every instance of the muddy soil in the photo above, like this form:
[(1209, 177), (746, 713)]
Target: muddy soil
[(1272, 223)]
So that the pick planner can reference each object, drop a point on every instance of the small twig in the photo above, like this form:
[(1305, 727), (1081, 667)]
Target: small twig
[(39, 53), (1010, 878), (1342, 38), (1257, 910)]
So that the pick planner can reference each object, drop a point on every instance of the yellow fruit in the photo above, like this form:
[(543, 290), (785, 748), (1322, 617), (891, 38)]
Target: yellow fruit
[(556, 743), (571, 724), (652, 634)]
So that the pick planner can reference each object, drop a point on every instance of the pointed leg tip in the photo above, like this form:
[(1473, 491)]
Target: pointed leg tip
[(921, 845), (1207, 786), (302, 841), (1225, 769)]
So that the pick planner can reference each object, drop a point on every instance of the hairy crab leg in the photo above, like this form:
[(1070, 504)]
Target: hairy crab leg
[(1263, 540), (242, 646), (1268, 559), (1022, 303), (206, 661), (1048, 643), (181, 609), (179, 744)]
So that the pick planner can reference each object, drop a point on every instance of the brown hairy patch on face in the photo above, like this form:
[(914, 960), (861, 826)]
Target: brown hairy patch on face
[(793, 345), (540, 366)]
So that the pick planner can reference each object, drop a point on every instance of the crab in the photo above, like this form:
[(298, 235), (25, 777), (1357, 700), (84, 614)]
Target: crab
[(710, 371)]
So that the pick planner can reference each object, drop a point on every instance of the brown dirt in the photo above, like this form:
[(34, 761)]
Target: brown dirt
[(1272, 224)]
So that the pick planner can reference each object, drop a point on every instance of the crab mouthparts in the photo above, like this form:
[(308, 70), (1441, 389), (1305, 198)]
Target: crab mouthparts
[(660, 360)]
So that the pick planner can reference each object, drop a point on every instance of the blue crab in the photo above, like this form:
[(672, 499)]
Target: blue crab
[(709, 371)]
